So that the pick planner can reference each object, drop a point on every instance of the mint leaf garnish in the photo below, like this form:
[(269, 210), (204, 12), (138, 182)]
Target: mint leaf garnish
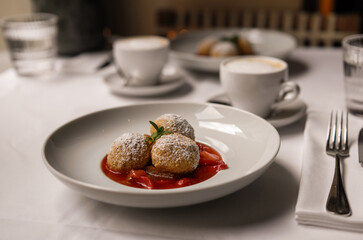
[(160, 131)]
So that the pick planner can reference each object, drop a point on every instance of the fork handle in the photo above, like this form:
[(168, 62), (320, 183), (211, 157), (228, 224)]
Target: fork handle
[(337, 199)]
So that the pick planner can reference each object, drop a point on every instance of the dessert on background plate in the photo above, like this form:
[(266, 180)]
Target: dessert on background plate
[(225, 46), (265, 42)]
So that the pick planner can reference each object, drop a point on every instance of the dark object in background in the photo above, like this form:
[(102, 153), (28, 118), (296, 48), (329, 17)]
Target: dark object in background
[(80, 25), (348, 7), (310, 6)]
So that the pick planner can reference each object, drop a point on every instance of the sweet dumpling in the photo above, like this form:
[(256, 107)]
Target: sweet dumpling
[(206, 45), (175, 124), (129, 151), (223, 49), (245, 46), (175, 153)]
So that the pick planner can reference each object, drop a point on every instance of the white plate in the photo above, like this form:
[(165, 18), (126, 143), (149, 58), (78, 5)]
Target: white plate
[(247, 143), (170, 80), (280, 116), (264, 42)]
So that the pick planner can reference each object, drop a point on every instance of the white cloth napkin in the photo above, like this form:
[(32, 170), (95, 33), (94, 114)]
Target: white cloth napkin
[(317, 175)]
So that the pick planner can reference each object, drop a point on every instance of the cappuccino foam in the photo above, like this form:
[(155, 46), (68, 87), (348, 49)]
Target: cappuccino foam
[(141, 43), (253, 65)]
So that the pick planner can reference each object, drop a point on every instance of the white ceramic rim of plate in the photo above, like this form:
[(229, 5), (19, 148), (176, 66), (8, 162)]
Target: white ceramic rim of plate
[(137, 191), (168, 83)]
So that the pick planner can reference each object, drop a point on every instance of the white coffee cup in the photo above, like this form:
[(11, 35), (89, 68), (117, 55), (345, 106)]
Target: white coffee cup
[(141, 59), (257, 83)]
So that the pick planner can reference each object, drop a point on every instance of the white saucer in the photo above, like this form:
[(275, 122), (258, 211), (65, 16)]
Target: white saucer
[(280, 116), (170, 80)]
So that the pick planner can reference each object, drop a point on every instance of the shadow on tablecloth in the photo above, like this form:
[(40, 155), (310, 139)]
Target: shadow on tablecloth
[(296, 67), (271, 196)]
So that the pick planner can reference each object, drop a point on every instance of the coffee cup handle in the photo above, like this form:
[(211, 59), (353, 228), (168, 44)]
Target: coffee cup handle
[(288, 93), (125, 79)]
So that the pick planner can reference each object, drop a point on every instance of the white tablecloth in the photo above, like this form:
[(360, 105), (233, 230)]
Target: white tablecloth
[(35, 205)]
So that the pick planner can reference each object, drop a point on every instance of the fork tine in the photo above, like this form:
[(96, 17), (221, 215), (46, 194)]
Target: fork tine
[(344, 131), (339, 125), (333, 129), (330, 133)]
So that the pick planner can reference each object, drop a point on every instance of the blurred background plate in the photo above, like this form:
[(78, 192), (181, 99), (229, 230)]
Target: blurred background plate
[(264, 42)]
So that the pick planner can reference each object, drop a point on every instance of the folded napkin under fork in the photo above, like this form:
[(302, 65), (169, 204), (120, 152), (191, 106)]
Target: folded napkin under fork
[(317, 175)]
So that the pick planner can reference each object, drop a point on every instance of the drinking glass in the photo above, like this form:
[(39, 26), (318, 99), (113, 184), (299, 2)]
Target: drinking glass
[(32, 42), (353, 72)]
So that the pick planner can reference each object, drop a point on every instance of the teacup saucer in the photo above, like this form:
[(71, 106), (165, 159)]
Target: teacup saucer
[(280, 116), (170, 80)]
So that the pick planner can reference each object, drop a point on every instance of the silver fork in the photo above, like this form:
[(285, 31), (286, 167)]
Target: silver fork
[(337, 146)]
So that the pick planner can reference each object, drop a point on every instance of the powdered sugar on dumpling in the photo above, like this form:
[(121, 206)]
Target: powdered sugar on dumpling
[(175, 153), (174, 123), (129, 151)]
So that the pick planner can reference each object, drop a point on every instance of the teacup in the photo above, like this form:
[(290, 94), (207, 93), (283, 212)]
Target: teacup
[(141, 59), (257, 83)]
